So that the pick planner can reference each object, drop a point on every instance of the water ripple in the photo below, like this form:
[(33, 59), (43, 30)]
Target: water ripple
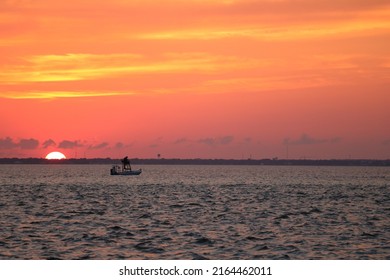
[(198, 212)]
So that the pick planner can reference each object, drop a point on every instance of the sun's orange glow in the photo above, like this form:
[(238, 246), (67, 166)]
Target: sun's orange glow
[(196, 78), (55, 155)]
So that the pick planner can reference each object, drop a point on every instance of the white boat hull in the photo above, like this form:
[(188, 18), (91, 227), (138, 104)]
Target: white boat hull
[(129, 172), (116, 170)]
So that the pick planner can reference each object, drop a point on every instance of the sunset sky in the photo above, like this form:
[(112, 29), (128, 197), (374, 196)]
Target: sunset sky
[(195, 78)]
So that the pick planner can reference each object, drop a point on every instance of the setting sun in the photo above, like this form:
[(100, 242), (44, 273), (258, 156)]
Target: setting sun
[(55, 155)]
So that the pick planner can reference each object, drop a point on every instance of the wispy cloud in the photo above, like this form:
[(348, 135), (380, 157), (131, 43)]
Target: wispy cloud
[(99, 146), (48, 143), (266, 33), (67, 144), (208, 141), (68, 67), (306, 139), (157, 143), (58, 94), (55, 68), (182, 140), (121, 145), (214, 141), (226, 140), (36, 70)]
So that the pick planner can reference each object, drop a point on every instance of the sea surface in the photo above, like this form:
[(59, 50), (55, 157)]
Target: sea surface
[(194, 212)]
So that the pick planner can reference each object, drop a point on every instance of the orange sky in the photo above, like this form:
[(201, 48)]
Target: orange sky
[(195, 79)]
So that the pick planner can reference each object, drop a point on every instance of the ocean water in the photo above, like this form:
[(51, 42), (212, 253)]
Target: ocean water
[(194, 212)]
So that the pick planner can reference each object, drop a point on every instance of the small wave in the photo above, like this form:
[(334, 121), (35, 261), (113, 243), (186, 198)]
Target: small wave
[(204, 241), (147, 247), (196, 256)]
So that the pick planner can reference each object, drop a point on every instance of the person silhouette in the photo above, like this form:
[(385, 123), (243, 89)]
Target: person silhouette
[(126, 163)]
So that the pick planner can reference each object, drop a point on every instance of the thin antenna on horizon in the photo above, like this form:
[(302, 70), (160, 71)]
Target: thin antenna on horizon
[(287, 150)]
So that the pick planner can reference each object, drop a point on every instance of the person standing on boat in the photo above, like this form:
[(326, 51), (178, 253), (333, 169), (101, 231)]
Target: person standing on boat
[(126, 163)]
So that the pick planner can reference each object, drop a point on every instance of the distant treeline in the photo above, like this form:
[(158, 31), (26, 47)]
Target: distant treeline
[(323, 162)]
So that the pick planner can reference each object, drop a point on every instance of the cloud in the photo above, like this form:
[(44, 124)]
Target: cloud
[(59, 94), (335, 140), (72, 67), (225, 140), (48, 143), (119, 145), (181, 141), (66, 144), (62, 68), (154, 145), (306, 139), (28, 144), (81, 66), (272, 33), (24, 144), (7, 143), (207, 141), (157, 143), (99, 146)]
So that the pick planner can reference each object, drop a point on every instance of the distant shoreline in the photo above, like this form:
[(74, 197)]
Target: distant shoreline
[(281, 162)]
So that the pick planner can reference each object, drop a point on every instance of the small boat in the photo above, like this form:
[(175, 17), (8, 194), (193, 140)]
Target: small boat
[(118, 170), (125, 169)]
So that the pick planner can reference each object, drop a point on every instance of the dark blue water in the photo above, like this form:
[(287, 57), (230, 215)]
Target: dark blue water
[(194, 212)]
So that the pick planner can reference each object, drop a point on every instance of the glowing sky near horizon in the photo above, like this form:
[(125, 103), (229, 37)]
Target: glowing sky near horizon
[(195, 79)]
